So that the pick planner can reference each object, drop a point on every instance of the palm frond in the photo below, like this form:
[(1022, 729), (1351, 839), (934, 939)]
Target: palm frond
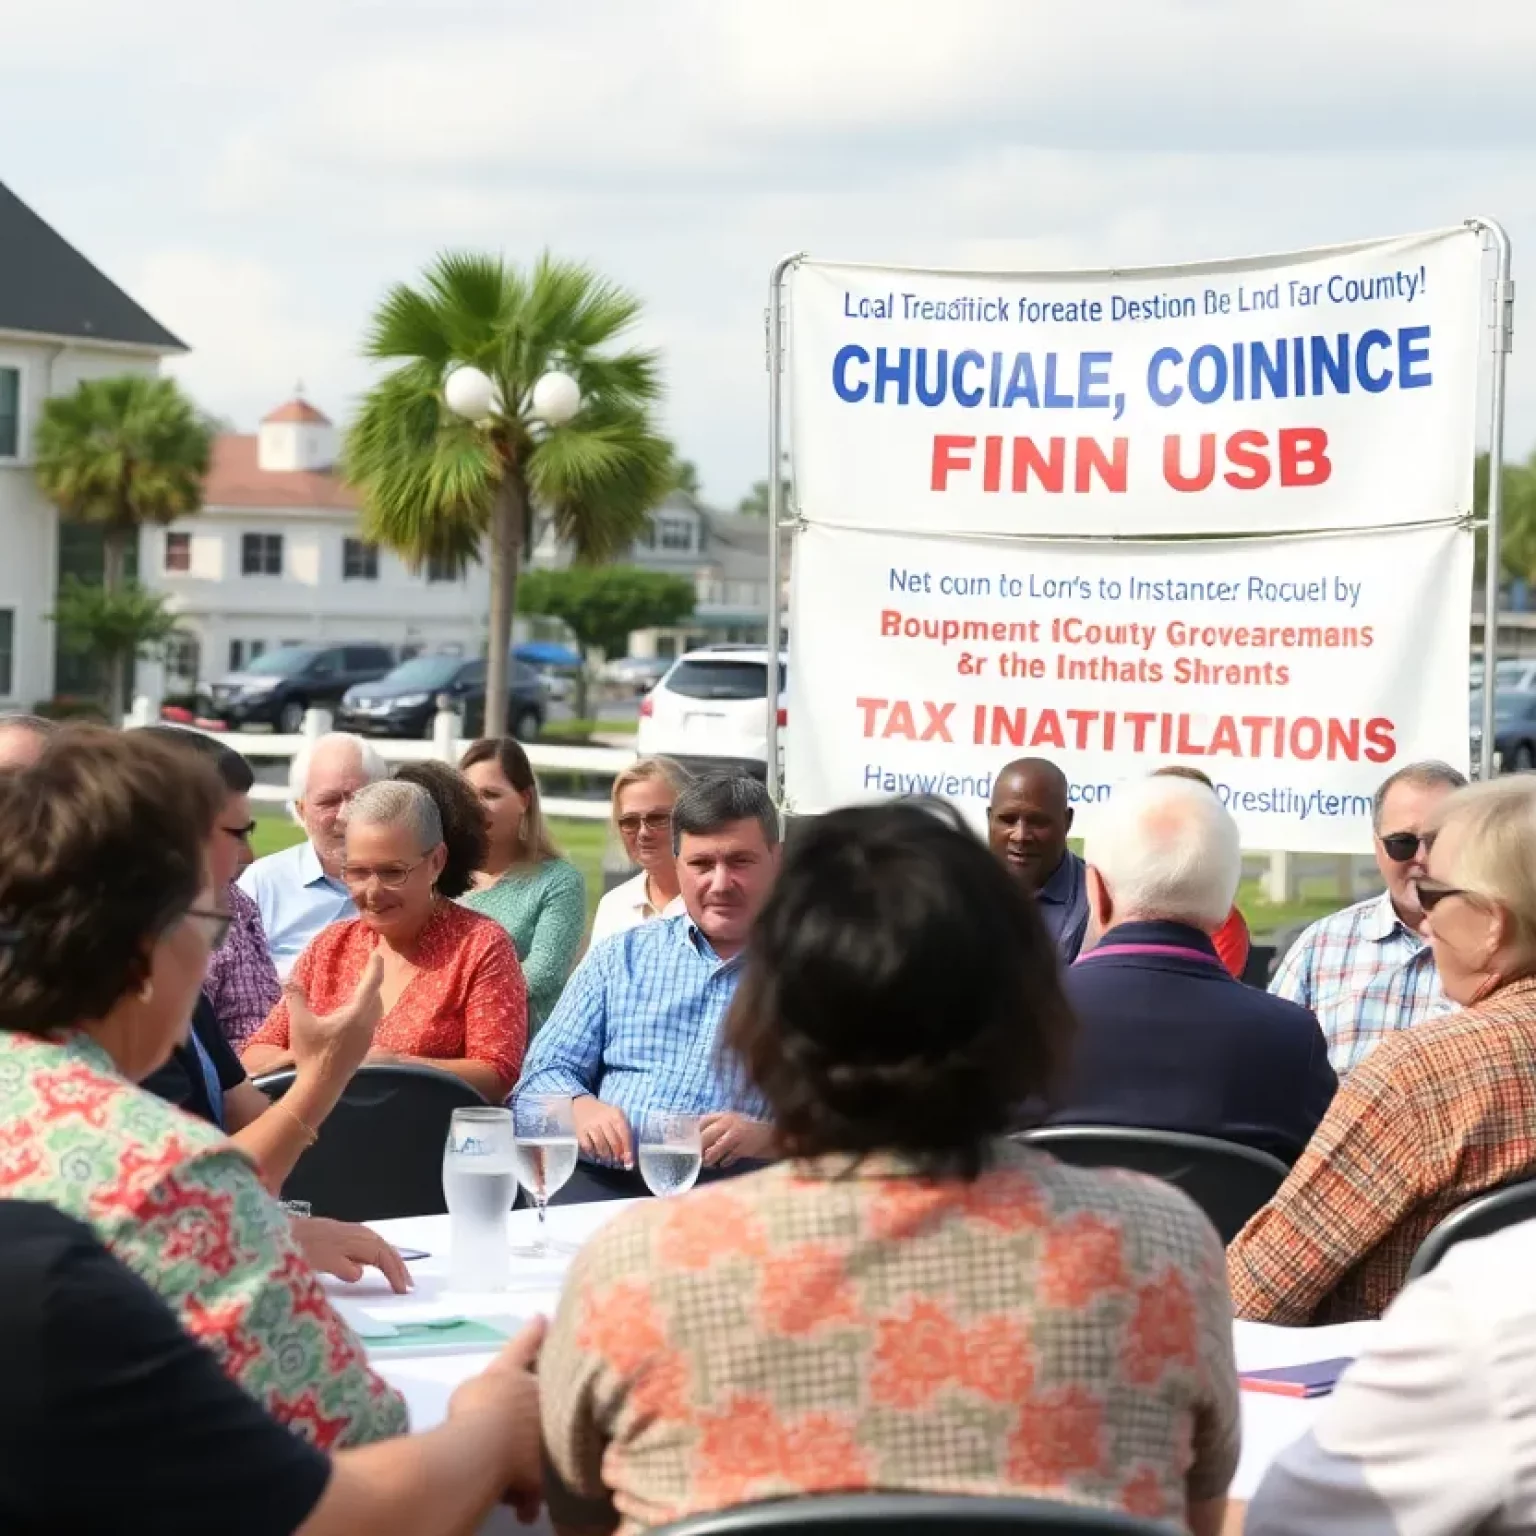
[(123, 451), (428, 480), (599, 478)]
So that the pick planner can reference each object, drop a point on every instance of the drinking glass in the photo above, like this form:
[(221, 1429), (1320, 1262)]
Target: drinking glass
[(670, 1152), (479, 1184), (545, 1127)]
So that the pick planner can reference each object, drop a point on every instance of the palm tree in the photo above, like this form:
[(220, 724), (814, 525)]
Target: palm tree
[(121, 453), (437, 487)]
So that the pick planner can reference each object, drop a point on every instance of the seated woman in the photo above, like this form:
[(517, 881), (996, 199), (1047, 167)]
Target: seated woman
[(643, 797), (452, 991), (537, 896), (1435, 1114), (108, 914), (909, 1302)]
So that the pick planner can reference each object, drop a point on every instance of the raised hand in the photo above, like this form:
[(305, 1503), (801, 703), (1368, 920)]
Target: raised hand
[(338, 1042)]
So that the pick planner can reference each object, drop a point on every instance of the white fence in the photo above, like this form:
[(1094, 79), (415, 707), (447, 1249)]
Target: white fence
[(1281, 875), (599, 764)]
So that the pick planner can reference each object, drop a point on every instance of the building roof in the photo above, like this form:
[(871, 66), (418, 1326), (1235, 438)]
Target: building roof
[(48, 287), (300, 410), (236, 479)]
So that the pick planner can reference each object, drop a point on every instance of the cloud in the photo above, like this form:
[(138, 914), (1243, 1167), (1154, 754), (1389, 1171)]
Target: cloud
[(258, 183), (249, 342)]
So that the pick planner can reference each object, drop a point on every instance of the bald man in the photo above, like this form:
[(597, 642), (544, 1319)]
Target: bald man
[(1027, 826), (21, 741)]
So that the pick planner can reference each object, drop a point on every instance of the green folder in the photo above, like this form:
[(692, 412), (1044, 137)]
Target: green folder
[(449, 1336)]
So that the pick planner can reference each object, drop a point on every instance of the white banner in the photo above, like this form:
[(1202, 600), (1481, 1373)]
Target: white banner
[(1333, 388), (1296, 672)]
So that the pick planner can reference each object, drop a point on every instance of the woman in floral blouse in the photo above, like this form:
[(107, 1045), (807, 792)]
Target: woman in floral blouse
[(908, 1302), (107, 918)]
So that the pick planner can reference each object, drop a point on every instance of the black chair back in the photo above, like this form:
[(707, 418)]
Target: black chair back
[(1481, 1216), (904, 1514), (380, 1152), (1227, 1181)]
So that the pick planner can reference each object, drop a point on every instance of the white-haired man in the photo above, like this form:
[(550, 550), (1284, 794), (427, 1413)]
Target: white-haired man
[(299, 890), (1167, 1038)]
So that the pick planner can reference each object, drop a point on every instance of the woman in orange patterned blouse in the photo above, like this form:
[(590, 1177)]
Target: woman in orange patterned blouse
[(909, 1301), (108, 912), (453, 991)]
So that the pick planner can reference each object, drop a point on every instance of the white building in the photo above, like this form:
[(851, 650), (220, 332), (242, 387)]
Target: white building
[(61, 321), (275, 557)]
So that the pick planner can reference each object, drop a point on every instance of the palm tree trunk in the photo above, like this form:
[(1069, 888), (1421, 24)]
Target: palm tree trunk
[(114, 561), (506, 547)]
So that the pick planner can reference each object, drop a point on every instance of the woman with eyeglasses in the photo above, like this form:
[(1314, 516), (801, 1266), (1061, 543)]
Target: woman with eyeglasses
[(1435, 1114), (539, 897), (643, 797), (110, 906), (452, 991)]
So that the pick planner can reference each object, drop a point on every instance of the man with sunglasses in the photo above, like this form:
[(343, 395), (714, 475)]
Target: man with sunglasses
[(1366, 972)]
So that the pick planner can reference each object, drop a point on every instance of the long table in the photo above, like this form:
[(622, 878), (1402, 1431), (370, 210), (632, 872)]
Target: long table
[(1269, 1423)]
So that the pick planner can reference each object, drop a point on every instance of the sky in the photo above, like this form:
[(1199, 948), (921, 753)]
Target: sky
[(257, 176)]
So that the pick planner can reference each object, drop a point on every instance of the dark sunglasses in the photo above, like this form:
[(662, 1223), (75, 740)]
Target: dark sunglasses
[(1432, 893), (652, 821), (1401, 846)]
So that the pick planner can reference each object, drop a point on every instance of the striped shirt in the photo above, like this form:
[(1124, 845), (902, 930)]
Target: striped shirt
[(638, 1027), (1365, 974)]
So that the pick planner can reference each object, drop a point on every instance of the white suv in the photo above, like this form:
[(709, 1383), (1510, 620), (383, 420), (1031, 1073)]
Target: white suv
[(710, 711)]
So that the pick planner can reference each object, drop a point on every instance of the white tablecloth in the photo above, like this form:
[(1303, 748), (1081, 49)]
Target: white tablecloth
[(1269, 1423)]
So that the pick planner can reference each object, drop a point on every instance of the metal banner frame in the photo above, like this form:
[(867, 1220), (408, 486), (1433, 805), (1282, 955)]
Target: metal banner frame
[(1502, 326)]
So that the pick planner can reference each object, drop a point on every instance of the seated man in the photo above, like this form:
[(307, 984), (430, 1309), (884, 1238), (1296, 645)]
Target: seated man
[(1027, 825), (1366, 972), (638, 1026), (300, 890), (1167, 1038)]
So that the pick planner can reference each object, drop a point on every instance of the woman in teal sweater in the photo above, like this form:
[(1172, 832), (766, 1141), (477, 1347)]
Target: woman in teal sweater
[(537, 896)]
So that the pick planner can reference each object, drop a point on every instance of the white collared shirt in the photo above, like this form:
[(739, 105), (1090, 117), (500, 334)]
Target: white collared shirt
[(627, 906)]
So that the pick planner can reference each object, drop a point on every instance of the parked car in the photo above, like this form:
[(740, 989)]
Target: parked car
[(277, 687), (710, 711), (637, 673), (1514, 730), (404, 703)]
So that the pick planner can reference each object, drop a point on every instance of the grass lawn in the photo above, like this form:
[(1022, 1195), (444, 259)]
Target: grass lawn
[(582, 842)]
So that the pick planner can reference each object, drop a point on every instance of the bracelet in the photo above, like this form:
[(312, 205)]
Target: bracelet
[(312, 1135)]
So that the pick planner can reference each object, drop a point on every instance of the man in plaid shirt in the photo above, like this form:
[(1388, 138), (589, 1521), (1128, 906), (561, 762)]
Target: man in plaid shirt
[(1365, 972)]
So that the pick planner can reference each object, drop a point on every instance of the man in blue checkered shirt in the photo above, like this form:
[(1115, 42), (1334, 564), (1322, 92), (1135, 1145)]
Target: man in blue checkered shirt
[(1365, 972), (637, 1029)]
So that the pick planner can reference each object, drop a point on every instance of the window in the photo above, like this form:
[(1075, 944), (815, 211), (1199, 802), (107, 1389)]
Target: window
[(676, 533), (441, 569), (359, 560), (258, 648), (183, 660), (236, 655), (261, 554), (367, 658), (7, 652), (178, 551), (725, 679), (10, 414)]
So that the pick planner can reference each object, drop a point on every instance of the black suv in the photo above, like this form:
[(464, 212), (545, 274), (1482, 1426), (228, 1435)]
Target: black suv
[(405, 702), (278, 686)]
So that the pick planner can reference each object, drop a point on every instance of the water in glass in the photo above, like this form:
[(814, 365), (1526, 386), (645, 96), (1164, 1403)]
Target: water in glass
[(545, 1126), (669, 1153), (479, 1185)]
